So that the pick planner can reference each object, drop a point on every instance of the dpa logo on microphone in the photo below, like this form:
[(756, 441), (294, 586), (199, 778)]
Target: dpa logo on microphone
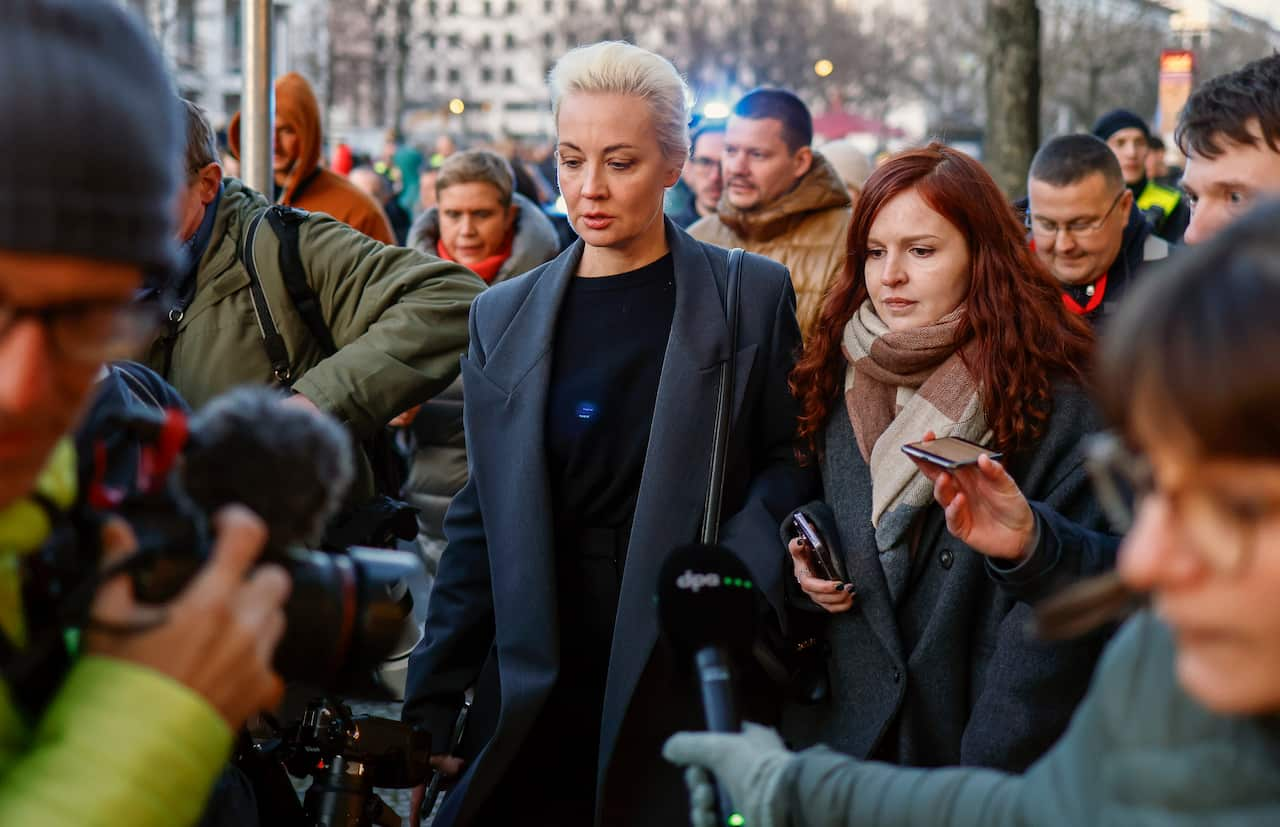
[(695, 582)]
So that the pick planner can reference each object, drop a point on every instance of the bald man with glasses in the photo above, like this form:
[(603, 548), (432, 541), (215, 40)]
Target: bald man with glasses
[(1084, 226)]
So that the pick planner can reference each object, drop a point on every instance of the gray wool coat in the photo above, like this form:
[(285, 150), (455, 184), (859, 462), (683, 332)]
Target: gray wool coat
[(492, 619), (949, 675)]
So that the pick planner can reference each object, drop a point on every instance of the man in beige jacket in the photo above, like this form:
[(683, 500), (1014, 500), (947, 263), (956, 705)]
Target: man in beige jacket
[(781, 199)]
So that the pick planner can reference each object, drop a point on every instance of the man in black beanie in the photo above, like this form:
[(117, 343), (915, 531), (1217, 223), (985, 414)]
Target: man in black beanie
[(1130, 139), (130, 720)]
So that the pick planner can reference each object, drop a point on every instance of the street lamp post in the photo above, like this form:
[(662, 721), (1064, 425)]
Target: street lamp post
[(258, 106)]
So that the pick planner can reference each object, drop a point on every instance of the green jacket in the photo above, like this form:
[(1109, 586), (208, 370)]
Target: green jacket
[(399, 319), (1139, 751), (118, 743)]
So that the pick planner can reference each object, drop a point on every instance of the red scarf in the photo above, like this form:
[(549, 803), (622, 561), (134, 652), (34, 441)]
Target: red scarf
[(1099, 290), (489, 267)]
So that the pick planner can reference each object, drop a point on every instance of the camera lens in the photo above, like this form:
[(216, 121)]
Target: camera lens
[(345, 615)]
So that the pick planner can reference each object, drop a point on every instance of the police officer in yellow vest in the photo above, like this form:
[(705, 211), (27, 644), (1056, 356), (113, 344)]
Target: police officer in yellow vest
[(1130, 139)]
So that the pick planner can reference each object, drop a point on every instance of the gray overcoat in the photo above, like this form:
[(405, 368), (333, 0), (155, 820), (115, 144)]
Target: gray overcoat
[(492, 619)]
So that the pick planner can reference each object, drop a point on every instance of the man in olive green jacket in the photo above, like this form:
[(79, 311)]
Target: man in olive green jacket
[(398, 317)]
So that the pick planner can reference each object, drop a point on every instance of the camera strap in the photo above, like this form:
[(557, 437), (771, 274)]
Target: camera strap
[(724, 403)]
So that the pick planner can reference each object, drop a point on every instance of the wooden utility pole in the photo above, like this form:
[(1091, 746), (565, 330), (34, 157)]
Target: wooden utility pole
[(1013, 92)]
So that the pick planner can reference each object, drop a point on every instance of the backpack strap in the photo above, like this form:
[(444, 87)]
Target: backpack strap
[(285, 221), (272, 341)]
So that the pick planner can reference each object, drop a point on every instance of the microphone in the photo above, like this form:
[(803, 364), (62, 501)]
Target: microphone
[(707, 611)]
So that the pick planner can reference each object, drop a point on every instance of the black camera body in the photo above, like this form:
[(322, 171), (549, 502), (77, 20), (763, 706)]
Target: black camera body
[(347, 611), (344, 755), (389, 753)]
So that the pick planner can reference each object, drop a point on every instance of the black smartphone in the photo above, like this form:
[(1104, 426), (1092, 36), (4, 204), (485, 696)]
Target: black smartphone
[(949, 452), (438, 781), (825, 564)]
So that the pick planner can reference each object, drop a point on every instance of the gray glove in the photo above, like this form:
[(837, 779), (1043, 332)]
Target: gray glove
[(748, 766)]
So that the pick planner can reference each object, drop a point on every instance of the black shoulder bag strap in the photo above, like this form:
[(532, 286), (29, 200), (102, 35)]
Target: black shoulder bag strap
[(724, 404), (765, 656)]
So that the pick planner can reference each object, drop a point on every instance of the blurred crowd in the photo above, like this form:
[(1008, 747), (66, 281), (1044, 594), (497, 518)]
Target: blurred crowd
[(1003, 476)]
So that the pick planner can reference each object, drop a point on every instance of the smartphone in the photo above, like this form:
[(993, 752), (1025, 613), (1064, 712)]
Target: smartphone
[(824, 562), (438, 781), (949, 452)]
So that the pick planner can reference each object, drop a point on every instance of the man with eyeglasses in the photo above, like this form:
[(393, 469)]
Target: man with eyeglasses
[(131, 720), (702, 173), (1084, 226)]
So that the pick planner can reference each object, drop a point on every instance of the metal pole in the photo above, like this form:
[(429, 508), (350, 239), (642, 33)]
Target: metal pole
[(257, 109)]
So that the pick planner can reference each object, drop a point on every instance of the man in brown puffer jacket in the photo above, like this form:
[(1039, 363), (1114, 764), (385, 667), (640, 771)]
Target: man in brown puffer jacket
[(781, 199)]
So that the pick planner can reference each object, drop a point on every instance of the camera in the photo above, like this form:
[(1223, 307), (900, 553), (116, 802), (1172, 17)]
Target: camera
[(346, 756), (347, 611)]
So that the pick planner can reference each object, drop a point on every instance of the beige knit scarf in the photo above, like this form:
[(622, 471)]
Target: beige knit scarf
[(899, 385)]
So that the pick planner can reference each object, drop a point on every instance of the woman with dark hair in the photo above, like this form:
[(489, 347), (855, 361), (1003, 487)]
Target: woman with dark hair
[(943, 323), (1182, 723)]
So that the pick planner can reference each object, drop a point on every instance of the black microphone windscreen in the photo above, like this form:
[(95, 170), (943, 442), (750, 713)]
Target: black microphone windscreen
[(290, 465), (706, 597)]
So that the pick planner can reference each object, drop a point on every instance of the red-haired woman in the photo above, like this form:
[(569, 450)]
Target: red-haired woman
[(944, 323)]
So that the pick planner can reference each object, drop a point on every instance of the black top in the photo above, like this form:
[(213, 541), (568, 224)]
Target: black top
[(611, 336), (610, 339)]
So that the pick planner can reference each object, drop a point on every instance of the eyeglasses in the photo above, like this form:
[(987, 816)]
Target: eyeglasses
[(1221, 529), (1078, 229), (89, 332), (704, 164)]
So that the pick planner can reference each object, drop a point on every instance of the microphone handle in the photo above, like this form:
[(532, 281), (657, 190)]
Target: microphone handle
[(721, 711)]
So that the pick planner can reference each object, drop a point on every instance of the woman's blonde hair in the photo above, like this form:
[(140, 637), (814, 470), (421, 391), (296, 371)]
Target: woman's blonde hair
[(617, 68)]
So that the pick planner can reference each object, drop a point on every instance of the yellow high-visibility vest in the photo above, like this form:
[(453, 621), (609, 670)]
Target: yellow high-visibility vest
[(1161, 198)]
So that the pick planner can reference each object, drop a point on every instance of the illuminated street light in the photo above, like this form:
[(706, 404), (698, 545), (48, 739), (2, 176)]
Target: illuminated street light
[(823, 68), (715, 110), (457, 107)]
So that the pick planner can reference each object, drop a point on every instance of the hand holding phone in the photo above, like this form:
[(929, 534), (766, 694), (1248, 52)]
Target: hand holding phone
[(983, 505), (826, 565)]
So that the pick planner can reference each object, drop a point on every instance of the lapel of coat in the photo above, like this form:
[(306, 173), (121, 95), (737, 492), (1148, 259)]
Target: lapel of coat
[(848, 470), (676, 468), (510, 410)]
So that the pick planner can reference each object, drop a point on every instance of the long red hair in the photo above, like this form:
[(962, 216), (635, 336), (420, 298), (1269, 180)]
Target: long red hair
[(1023, 336)]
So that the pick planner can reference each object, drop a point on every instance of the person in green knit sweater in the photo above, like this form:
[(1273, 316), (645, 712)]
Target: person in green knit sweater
[(134, 726), (1181, 725)]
